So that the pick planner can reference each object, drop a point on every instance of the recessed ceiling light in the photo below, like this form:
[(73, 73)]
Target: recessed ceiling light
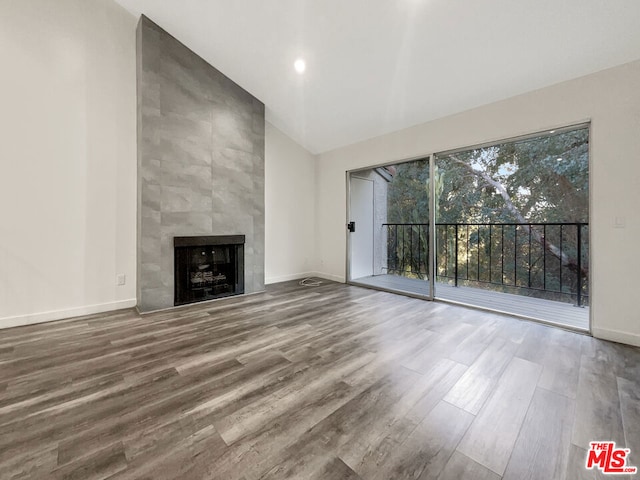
[(558, 159), (300, 65), (552, 131)]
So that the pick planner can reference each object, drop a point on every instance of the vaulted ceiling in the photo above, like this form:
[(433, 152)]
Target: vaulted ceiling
[(376, 66)]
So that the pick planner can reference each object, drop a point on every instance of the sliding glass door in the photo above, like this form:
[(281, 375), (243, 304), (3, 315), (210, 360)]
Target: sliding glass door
[(389, 228), (512, 227), (362, 261), (509, 221)]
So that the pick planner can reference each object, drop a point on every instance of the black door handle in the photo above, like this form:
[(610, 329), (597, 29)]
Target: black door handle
[(351, 226)]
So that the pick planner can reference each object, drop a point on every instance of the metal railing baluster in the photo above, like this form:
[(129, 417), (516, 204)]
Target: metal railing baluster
[(579, 262), (455, 281), (544, 257), (490, 253), (502, 255), (478, 247), (529, 277), (405, 255)]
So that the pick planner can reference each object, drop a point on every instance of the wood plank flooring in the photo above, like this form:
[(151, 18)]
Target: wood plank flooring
[(328, 382)]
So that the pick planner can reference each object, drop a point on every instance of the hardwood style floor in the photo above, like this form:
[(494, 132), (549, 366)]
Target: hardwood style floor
[(328, 382)]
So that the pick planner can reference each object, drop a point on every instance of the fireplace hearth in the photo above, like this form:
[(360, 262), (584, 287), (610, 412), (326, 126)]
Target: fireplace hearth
[(208, 267)]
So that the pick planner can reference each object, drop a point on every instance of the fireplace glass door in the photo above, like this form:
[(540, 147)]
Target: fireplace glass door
[(206, 272)]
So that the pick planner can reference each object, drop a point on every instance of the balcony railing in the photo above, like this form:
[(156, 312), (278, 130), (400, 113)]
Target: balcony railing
[(549, 260)]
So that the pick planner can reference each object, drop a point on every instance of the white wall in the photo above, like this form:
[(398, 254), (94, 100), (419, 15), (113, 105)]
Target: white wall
[(290, 193), (610, 99), (67, 157)]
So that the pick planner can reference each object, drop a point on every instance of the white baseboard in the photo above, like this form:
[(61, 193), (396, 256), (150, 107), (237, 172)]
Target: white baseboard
[(616, 336), (30, 319), (329, 276), (300, 276), (286, 278)]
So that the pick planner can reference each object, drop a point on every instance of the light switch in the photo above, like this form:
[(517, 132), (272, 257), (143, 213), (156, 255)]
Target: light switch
[(121, 279), (620, 222)]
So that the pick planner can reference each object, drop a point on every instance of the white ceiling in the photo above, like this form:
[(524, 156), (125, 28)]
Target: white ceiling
[(376, 66)]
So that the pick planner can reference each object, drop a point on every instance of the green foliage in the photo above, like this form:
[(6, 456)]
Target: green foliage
[(538, 180), (546, 179), (408, 194)]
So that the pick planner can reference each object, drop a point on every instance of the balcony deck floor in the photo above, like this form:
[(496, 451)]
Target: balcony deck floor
[(547, 311)]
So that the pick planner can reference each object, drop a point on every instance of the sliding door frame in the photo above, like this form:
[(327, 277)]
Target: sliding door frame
[(431, 158), (431, 237), (586, 124)]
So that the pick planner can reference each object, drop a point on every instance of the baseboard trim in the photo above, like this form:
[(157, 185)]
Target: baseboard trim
[(329, 276), (616, 336), (42, 317), (300, 276), (287, 278)]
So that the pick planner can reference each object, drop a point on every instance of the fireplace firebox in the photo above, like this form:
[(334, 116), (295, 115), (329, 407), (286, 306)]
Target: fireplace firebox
[(208, 267)]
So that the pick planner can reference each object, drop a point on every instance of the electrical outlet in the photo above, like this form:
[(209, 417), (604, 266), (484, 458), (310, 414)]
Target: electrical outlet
[(619, 222), (121, 279)]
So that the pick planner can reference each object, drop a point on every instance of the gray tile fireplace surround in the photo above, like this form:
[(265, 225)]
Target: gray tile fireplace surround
[(200, 162)]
